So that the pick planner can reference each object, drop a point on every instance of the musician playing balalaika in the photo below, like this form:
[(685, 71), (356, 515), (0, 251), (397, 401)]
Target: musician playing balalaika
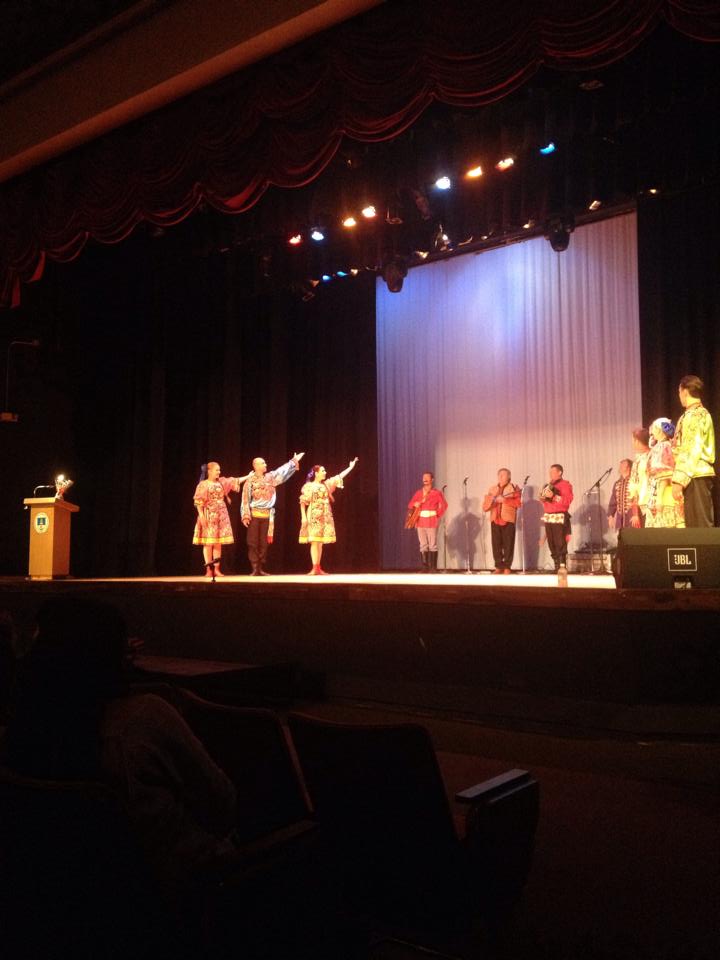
[(556, 497)]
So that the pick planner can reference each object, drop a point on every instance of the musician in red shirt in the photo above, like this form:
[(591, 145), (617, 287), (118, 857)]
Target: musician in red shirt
[(425, 508), (556, 497)]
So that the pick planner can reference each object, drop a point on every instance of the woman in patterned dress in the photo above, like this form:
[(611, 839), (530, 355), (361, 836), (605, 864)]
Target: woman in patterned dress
[(662, 509), (316, 498), (213, 528)]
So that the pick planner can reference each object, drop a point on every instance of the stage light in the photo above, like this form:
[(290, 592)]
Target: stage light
[(295, 240), (547, 149), (595, 205), (653, 191), (558, 230), (505, 163), (422, 254), (349, 222), (341, 273), (354, 271), (529, 224), (317, 235), (443, 183), (394, 272), (393, 216), (369, 211), (326, 277), (474, 172)]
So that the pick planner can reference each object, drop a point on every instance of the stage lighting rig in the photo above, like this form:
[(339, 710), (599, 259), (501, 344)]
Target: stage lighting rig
[(558, 230), (394, 272)]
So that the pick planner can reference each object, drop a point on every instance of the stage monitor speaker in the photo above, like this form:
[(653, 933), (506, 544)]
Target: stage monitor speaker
[(669, 559)]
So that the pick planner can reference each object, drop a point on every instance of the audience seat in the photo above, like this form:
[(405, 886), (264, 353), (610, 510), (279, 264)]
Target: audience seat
[(379, 796)]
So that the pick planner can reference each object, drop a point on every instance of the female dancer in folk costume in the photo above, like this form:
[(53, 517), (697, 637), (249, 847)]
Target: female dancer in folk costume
[(317, 524), (663, 510), (213, 528)]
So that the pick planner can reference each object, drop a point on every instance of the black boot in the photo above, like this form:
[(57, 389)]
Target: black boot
[(432, 557), (424, 558)]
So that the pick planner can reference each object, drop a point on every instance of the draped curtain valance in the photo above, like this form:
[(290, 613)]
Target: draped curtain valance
[(281, 121)]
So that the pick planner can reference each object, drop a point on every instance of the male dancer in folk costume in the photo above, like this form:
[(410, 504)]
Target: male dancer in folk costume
[(556, 497), (639, 488), (694, 450), (619, 511), (503, 500), (426, 507), (258, 508)]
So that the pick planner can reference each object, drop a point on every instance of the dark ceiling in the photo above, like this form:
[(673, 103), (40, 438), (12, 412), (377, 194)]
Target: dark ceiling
[(31, 30)]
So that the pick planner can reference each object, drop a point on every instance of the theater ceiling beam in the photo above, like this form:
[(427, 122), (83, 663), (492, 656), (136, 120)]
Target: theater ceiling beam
[(142, 60)]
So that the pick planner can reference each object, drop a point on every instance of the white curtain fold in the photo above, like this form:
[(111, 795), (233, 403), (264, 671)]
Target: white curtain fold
[(516, 357)]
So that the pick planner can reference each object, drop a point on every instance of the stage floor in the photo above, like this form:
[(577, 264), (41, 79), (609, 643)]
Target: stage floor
[(466, 581), (503, 648)]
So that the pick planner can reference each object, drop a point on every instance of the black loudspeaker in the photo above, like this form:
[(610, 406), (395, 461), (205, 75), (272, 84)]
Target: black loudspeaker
[(669, 559)]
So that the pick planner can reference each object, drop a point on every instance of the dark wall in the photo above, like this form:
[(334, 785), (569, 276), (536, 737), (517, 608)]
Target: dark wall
[(155, 359)]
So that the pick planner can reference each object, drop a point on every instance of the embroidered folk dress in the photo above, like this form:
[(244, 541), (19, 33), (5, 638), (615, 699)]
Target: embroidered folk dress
[(210, 496), (662, 510), (320, 526)]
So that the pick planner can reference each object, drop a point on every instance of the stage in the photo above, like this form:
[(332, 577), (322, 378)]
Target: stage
[(515, 650)]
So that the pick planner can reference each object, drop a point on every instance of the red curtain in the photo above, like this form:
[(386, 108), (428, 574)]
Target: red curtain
[(282, 121)]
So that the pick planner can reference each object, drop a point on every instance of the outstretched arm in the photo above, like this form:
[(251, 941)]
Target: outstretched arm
[(348, 468)]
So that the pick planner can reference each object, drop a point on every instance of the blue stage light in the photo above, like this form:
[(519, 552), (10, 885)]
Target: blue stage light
[(317, 234), (325, 277), (549, 148)]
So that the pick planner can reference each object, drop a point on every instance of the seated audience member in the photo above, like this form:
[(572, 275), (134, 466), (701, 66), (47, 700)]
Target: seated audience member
[(74, 719)]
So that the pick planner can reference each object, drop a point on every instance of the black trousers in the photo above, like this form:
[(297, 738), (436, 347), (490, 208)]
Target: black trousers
[(698, 503), (503, 544), (257, 544), (555, 533)]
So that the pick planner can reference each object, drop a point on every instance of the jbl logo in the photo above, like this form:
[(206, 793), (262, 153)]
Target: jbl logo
[(682, 559)]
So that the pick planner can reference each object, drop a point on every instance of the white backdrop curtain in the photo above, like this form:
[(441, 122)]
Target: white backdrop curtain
[(516, 357)]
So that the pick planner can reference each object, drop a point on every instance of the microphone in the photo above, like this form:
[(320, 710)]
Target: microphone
[(526, 479), (466, 479), (444, 487)]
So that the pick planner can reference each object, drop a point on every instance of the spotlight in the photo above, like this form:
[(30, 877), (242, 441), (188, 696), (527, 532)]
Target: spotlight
[(341, 273), (443, 183), (394, 272), (505, 163), (295, 240), (529, 224), (653, 191), (595, 205), (369, 211), (326, 278), (558, 230), (393, 215), (317, 234), (349, 222), (422, 254), (547, 149), (354, 271), (474, 172)]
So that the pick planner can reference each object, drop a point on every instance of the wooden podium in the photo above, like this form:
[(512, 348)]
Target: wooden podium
[(49, 537)]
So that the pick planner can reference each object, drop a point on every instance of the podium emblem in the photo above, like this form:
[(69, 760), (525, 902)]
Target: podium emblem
[(41, 523)]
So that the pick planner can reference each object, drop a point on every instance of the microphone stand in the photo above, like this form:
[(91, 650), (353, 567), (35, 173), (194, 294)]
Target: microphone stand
[(444, 523), (588, 492), (466, 504), (522, 524)]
